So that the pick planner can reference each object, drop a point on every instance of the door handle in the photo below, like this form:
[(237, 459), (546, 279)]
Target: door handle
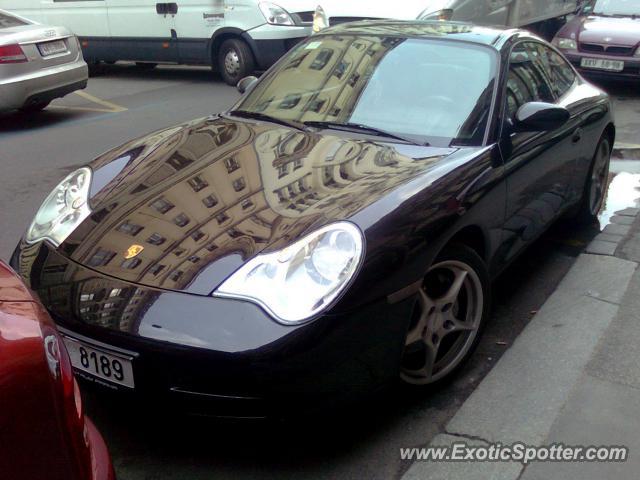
[(166, 8), (577, 136)]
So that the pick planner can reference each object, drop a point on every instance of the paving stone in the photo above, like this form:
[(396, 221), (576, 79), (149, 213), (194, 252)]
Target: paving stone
[(629, 212), (608, 237), (617, 229), (622, 220), (427, 470), (598, 247)]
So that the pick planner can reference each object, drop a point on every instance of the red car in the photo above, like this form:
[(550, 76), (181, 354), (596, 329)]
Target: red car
[(604, 39), (44, 433)]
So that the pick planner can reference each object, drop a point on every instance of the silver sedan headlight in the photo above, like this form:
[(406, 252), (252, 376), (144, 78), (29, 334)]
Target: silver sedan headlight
[(302, 280), (63, 210)]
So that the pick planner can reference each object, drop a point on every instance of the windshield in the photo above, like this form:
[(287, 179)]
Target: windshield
[(428, 90), (626, 8), (9, 21)]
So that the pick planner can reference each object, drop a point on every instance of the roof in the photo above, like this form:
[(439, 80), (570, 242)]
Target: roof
[(469, 32)]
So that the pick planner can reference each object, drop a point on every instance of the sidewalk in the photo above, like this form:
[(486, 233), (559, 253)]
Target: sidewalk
[(572, 377)]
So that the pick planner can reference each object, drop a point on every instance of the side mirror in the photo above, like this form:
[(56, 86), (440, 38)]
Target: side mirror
[(540, 117), (246, 84)]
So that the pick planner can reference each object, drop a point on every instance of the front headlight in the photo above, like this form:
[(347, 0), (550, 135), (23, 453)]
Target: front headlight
[(320, 20), (302, 280), (444, 14), (565, 43), (63, 210), (275, 14)]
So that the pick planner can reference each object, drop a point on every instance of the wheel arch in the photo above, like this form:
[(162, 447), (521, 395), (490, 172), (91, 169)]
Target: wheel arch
[(610, 131), (472, 236), (227, 33)]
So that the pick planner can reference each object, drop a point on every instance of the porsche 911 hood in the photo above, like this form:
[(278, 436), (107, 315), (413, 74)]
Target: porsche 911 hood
[(182, 209)]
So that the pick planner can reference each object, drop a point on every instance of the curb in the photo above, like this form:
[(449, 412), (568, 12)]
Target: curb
[(626, 151), (522, 396)]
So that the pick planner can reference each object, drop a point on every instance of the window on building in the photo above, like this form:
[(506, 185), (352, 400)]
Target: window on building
[(197, 184), (130, 229), (162, 205), (210, 201), (101, 258), (156, 239), (231, 164), (131, 263), (181, 220)]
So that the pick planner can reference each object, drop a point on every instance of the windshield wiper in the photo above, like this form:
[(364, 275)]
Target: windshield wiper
[(266, 118), (356, 127)]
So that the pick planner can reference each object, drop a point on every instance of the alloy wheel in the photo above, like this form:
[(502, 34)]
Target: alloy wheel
[(599, 177), (445, 324)]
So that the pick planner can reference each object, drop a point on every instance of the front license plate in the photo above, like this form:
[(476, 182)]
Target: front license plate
[(52, 48), (99, 363), (602, 64)]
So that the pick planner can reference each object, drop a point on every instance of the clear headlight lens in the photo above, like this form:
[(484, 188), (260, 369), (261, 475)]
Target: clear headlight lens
[(444, 14), (320, 20), (565, 43), (63, 210), (275, 14), (302, 280)]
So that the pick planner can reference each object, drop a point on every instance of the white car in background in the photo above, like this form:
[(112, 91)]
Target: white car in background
[(38, 64)]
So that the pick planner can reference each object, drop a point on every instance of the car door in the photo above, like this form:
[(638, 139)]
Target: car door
[(538, 165), (143, 30), (196, 21)]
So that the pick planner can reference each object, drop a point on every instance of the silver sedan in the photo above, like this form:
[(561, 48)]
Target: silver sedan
[(38, 64)]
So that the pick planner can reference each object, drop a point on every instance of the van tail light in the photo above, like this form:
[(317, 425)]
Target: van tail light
[(70, 401), (12, 54)]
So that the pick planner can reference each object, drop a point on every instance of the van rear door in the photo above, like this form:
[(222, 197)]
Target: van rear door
[(143, 30)]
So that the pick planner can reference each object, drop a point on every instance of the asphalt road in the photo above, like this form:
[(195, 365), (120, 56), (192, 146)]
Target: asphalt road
[(361, 442)]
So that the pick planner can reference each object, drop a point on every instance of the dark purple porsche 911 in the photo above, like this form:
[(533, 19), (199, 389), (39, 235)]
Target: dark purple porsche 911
[(604, 39)]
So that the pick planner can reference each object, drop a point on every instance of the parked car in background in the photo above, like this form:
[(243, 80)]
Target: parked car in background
[(235, 37), (337, 230), (604, 39), (540, 16), (335, 12), (43, 430), (38, 64)]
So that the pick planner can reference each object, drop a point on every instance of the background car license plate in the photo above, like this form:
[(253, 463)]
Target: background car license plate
[(602, 64), (99, 363), (51, 48)]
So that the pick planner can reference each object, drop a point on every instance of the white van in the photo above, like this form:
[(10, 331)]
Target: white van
[(235, 37)]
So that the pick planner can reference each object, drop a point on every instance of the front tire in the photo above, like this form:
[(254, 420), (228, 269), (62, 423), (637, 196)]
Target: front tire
[(450, 313), (235, 61)]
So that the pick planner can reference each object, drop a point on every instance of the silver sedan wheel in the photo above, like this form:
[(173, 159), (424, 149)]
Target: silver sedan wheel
[(232, 63), (446, 322), (599, 177)]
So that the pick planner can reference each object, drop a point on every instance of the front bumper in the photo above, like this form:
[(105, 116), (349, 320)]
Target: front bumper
[(217, 356), (42, 85), (270, 42), (631, 65)]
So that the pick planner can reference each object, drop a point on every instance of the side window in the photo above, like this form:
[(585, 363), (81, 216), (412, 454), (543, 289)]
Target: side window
[(528, 80), (560, 73)]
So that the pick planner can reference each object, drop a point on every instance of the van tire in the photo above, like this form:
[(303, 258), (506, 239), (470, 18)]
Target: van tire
[(235, 61)]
